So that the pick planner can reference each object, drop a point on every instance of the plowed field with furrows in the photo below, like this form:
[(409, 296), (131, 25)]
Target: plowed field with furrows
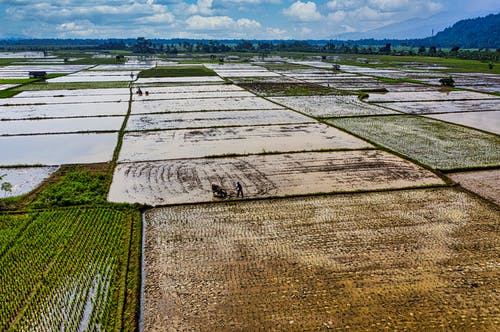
[(189, 180), (427, 260)]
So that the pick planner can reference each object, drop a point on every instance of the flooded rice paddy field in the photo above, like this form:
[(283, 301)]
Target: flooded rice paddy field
[(239, 70), (60, 125), (487, 121), (434, 143), (95, 76), (472, 81), (484, 183), (401, 260), (188, 89), (189, 180), (207, 119), (62, 110), (57, 149), (7, 86), (22, 71), (429, 107), (331, 106), (202, 104), (428, 96), (77, 92), (71, 99), (197, 143), (191, 95), (25, 179)]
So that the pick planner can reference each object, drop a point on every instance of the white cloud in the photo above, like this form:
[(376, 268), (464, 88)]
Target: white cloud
[(343, 4), (276, 33), (245, 23), (303, 11), (157, 19), (337, 16), (198, 22), (390, 5), (203, 7)]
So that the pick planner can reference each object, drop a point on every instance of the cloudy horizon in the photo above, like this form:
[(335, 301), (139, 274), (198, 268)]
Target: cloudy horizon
[(233, 19)]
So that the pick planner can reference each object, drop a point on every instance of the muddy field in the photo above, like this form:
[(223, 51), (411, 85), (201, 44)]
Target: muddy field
[(213, 119), (287, 89), (331, 106), (483, 183), (189, 180), (426, 261), (196, 143)]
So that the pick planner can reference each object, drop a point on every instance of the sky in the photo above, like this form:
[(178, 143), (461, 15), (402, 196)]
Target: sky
[(233, 19)]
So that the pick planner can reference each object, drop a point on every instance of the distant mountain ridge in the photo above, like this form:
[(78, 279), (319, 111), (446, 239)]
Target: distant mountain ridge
[(481, 32)]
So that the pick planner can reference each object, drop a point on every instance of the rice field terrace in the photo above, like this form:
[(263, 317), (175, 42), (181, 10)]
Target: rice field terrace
[(369, 196)]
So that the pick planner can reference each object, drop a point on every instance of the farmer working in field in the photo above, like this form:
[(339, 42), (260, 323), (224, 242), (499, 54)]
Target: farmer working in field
[(239, 189)]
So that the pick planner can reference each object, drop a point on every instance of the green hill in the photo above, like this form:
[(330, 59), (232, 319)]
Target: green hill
[(482, 32)]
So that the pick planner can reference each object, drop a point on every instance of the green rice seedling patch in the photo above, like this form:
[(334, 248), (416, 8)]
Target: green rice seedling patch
[(177, 71), (66, 269), (436, 144)]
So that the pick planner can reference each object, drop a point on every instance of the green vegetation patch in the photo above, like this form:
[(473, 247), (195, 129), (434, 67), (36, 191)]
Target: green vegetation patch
[(77, 187), (177, 71), (8, 93), (67, 269), (289, 89), (70, 86), (436, 144), (18, 80), (95, 61)]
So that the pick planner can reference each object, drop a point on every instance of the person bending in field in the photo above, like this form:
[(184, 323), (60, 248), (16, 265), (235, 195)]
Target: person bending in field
[(239, 189)]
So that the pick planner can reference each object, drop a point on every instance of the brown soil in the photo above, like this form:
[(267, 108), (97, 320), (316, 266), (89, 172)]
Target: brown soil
[(283, 89), (407, 260)]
